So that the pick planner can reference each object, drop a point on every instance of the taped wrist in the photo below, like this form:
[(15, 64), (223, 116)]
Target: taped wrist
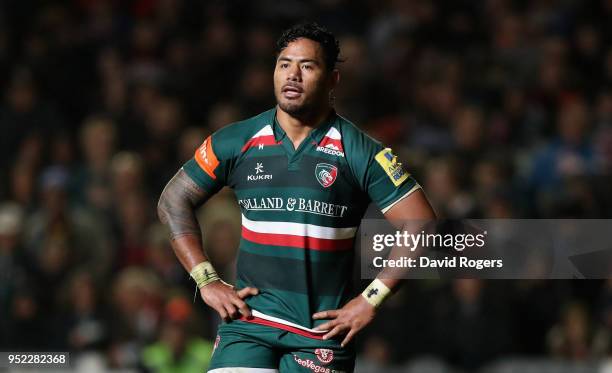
[(376, 293), (203, 274)]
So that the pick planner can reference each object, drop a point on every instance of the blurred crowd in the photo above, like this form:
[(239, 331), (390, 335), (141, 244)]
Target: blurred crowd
[(501, 109)]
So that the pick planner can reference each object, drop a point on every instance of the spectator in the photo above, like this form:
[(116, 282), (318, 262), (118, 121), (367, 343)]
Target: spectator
[(136, 306), (177, 349), (572, 337), (57, 227), (83, 322), (570, 154)]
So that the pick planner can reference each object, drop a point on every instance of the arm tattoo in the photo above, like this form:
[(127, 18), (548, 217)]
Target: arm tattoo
[(177, 205)]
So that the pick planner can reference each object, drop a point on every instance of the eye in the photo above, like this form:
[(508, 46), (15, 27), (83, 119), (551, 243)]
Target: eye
[(307, 67), (283, 65)]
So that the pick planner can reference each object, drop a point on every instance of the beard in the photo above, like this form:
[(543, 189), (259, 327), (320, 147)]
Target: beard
[(303, 109), (295, 109)]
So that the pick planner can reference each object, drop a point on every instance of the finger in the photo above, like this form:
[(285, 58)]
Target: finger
[(231, 310), (328, 325), (331, 314), (222, 313), (242, 306), (246, 292), (348, 337), (335, 331)]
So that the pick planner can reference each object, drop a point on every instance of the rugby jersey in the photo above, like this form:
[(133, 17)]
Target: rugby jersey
[(300, 209)]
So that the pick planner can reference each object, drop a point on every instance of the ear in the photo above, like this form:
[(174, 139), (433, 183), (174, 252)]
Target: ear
[(335, 78)]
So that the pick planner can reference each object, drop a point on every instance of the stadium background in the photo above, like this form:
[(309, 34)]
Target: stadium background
[(499, 108)]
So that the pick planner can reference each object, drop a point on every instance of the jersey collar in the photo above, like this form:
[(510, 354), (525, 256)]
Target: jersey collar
[(316, 134)]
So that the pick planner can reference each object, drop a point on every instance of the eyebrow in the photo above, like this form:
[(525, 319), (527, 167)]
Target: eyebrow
[(300, 61)]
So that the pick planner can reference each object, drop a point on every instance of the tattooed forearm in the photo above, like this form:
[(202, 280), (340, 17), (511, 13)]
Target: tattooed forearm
[(177, 205)]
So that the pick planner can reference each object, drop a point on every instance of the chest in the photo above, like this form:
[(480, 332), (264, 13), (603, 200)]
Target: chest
[(311, 182)]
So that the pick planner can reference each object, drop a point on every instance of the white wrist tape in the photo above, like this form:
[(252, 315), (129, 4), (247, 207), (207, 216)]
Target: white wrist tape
[(376, 293), (203, 274)]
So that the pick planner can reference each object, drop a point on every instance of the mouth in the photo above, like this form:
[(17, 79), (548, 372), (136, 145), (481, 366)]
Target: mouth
[(291, 92)]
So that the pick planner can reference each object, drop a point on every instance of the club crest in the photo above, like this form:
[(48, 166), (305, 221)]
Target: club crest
[(326, 174), (324, 355)]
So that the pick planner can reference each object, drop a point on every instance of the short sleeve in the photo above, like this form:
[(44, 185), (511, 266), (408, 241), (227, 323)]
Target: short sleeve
[(210, 164), (379, 172)]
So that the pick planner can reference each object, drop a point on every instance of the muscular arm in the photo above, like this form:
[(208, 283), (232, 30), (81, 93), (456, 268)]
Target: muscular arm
[(176, 209), (414, 208), (358, 313)]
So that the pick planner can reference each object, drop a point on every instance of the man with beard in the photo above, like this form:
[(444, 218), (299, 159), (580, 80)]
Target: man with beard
[(303, 176)]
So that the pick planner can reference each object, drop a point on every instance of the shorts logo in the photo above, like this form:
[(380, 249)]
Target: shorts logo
[(326, 174), (206, 158), (388, 161), (324, 355), (310, 364)]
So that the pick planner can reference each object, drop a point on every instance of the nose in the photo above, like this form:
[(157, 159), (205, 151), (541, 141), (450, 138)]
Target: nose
[(295, 74)]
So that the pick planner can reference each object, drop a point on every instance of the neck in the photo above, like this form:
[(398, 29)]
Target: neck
[(298, 127)]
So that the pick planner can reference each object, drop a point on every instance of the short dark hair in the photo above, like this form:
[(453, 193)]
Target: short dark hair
[(314, 32)]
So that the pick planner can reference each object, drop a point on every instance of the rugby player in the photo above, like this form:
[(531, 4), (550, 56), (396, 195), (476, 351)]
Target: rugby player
[(303, 177)]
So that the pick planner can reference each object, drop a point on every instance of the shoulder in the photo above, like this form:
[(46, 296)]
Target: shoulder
[(228, 141), (356, 142)]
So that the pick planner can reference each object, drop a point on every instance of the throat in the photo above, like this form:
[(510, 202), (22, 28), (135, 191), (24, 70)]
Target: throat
[(296, 132), (298, 129), (297, 141)]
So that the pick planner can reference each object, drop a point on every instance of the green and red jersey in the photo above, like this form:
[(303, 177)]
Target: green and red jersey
[(300, 209)]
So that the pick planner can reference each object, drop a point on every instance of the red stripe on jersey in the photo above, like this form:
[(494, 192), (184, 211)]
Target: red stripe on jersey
[(336, 143), (260, 140), (302, 242), (260, 321)]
